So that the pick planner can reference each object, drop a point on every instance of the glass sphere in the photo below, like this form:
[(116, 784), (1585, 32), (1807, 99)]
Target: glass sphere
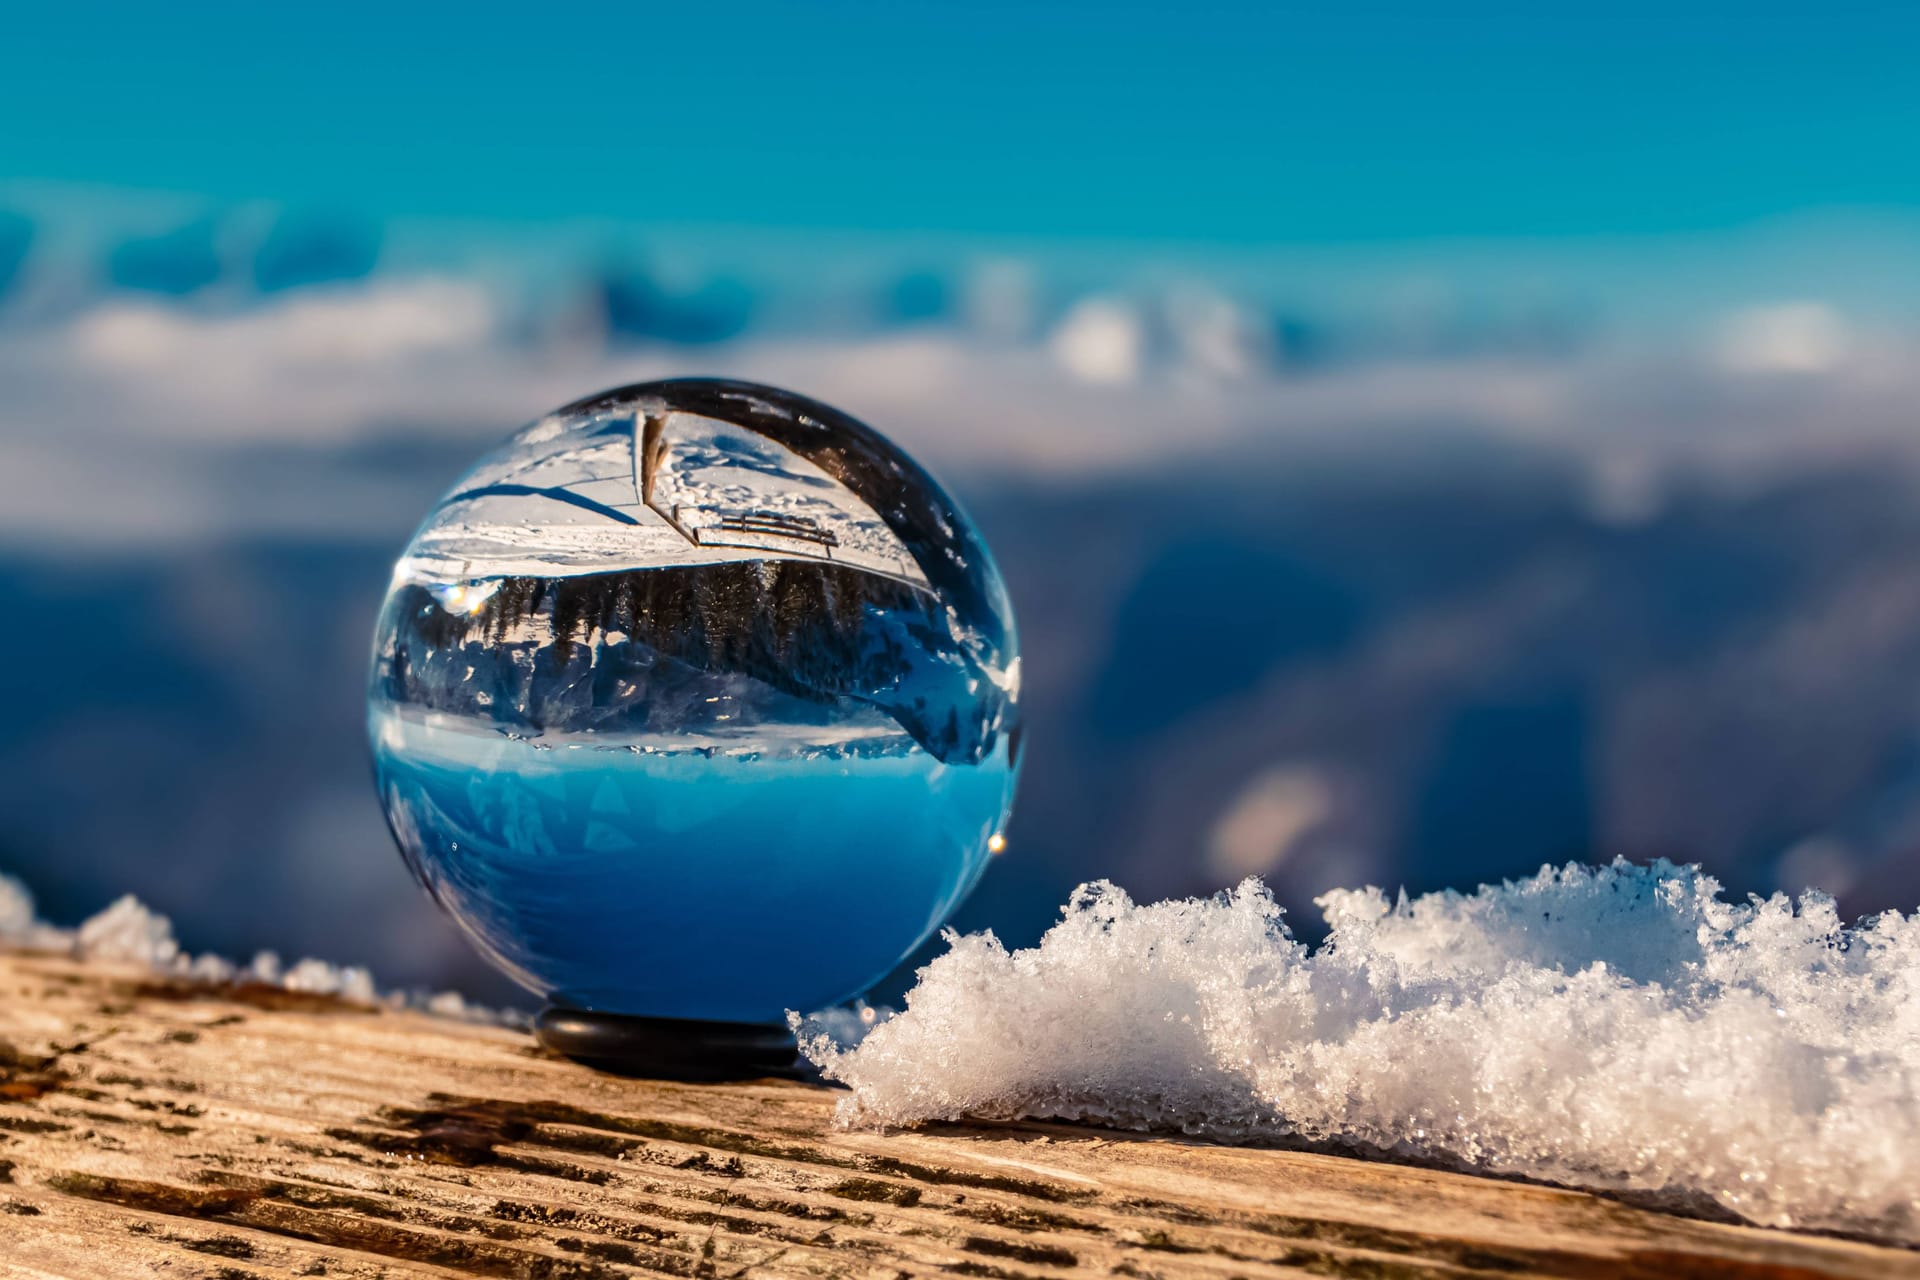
[(696, 699)]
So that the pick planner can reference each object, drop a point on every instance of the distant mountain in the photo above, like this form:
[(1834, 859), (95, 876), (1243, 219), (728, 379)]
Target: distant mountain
[(306, 248), (173, 263), (1210, 324), (1328, 669)]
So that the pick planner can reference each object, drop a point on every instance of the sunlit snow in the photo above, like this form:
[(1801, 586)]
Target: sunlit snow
[(1622, 1028), (129, 932), (1619, 1027)]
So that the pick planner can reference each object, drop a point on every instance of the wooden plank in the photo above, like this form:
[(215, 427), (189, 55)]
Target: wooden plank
[(155, 1128)]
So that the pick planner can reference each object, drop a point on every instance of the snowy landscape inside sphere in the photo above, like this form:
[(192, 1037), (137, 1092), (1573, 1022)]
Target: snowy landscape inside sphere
[(696, 699)]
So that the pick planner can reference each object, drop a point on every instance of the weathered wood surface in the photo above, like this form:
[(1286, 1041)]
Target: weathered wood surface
[(148, 1128)]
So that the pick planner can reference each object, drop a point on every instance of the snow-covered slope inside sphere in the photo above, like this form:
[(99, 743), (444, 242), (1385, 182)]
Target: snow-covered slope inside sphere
[(1619, 1027), (568, 497)]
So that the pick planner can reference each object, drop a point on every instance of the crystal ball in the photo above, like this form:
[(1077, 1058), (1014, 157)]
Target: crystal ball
[(696, 699)]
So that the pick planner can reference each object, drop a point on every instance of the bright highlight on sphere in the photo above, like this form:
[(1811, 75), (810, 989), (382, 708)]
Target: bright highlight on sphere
[(696, 699)]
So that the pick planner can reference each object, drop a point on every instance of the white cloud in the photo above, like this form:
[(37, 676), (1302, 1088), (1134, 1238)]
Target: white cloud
[(123, 424), (1213, 336), (1789, 337), (1101, 341), (387, 323)]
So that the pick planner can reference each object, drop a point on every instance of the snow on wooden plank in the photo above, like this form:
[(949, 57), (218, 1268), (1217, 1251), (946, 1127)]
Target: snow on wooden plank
[(151, 1126)]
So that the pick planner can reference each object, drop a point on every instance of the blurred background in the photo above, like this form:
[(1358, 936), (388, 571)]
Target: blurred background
[(1421, 443)]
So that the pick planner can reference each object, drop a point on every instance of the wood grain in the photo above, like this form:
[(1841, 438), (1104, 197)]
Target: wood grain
[(158, 1129)]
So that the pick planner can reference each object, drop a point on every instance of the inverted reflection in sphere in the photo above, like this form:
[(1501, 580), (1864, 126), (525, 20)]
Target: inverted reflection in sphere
[(696, 699)]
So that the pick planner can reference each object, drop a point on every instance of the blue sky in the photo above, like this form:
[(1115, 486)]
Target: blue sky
[(1176, 122)]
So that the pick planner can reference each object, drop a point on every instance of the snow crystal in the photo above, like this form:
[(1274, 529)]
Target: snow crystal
[(321, 978), (842, 1027), (129, 932), (19, 926), (1619, 1027)]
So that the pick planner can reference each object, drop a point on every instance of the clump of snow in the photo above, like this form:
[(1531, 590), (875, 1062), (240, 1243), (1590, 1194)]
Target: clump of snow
[(19, 926), (841, 1027), (351, 982), (1619, 1027), (129, 932)]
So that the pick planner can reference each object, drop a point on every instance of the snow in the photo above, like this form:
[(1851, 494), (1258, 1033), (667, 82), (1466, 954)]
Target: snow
[(128, 932), (1620, 1028), (1623, 1028), (715, 468)]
